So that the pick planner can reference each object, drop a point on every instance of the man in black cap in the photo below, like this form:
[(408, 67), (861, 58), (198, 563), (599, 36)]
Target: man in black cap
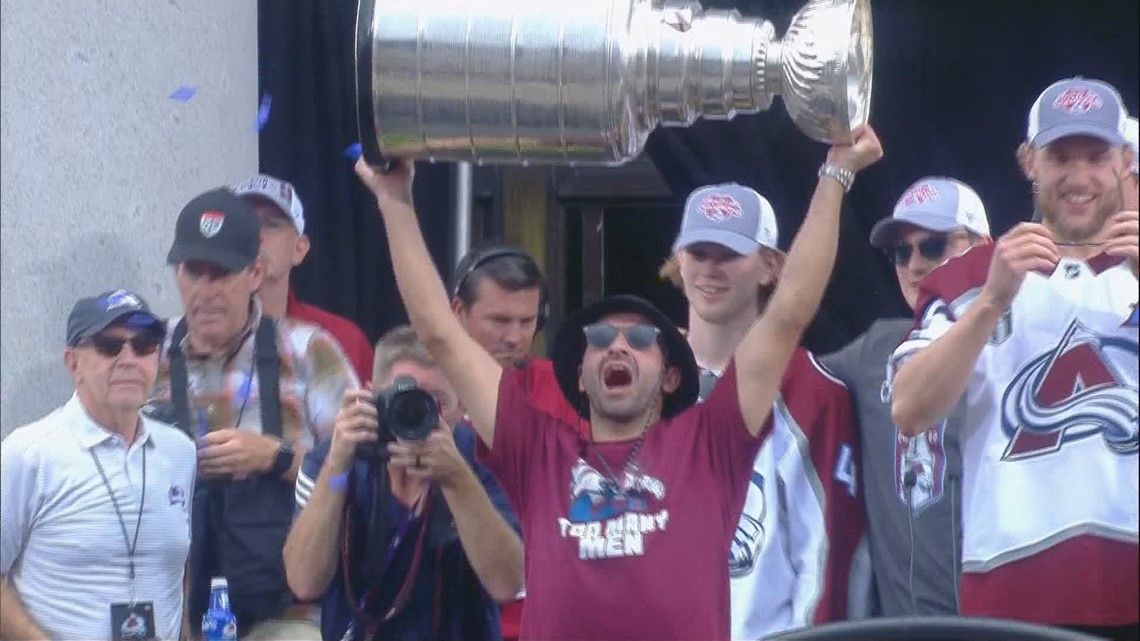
[(257, 393), (96, 486), (627, 530)]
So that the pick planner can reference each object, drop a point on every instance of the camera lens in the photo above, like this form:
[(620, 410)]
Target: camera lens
[(410, 409), (412, 414)]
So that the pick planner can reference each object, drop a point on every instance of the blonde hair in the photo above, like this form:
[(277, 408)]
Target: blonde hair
[(399, 345)]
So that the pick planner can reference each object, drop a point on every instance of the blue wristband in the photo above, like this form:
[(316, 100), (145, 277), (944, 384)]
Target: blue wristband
[(339, 482)]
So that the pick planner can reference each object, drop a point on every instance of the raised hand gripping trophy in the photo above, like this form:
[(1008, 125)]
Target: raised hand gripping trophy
[(584, 82)]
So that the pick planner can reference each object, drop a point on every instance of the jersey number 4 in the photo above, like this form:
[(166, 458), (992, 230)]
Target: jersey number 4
[(845, 468)]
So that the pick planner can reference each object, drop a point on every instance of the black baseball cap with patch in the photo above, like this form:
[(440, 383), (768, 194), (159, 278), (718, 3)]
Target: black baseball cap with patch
[(217, 227), (93, 314)]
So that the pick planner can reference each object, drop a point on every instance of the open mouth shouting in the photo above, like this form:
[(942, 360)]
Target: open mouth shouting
[(617, 376)]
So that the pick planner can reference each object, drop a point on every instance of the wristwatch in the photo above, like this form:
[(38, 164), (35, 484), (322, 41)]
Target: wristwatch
[(282, 462), (843, 176)]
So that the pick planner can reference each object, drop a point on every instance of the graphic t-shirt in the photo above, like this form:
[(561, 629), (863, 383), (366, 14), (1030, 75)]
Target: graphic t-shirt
[(615, 553)]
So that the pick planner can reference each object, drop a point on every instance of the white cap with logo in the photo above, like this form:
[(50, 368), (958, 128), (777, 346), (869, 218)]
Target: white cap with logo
[(278, 192), (730, 215), (1077, 107), (937, 204)]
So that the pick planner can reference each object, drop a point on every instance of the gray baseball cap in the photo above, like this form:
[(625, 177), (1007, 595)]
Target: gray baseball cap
[(1077, 107), (937, 204), (730, 215), (93, 314)]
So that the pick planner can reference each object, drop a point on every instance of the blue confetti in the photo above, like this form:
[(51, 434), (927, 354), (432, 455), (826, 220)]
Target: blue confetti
[(183, 93), (353, 152), (263, 113)]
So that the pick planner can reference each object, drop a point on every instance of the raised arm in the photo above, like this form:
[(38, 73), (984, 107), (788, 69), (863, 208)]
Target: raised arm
[(928, 384), (763, 355), (470, 369)]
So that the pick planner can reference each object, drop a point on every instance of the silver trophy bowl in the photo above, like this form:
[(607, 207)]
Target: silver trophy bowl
[(584, 82)]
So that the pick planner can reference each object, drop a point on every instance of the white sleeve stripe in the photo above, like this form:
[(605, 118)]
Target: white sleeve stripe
[(302, 499), (304, 481)]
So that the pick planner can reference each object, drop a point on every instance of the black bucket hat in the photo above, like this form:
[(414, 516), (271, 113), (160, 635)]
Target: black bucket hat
[(570, 345)]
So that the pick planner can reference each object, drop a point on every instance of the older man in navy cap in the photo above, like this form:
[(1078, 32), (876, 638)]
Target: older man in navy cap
[(95, 485)]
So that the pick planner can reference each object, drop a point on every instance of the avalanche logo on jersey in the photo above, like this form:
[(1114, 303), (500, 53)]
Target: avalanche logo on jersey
[(611, 521), (924, 455), (749, 537), (1085, 386)]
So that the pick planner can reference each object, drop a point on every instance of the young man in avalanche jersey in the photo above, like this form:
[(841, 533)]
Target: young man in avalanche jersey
[(791, 558), (1040, 333)]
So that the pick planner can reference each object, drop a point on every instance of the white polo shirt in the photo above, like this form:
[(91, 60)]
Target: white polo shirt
[(61, 545)]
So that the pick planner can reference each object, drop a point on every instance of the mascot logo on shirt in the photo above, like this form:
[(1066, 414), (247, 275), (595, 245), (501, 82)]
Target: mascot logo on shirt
[(1085, 386), (134, 627), (610, 519), (749, 538), (923, 455)]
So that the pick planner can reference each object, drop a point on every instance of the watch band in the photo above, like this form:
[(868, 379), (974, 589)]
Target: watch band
[(845, 177)]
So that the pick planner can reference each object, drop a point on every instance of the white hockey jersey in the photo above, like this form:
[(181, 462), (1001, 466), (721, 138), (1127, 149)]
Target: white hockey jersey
[(1049, 444)]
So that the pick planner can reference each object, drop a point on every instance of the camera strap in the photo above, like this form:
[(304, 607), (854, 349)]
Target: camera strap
[(361, 603), (268, 376)]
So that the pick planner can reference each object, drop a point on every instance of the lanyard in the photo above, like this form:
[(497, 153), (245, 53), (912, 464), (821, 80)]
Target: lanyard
[(127, 541)]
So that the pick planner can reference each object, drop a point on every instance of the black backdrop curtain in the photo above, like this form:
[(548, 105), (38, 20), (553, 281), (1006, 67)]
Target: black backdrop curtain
[(953, 85)]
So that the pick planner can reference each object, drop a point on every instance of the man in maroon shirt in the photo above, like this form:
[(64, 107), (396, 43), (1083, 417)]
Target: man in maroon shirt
[(283, 246), (626, 530)]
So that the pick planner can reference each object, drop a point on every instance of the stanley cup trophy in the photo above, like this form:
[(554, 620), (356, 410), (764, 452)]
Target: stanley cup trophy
[(584, 82)]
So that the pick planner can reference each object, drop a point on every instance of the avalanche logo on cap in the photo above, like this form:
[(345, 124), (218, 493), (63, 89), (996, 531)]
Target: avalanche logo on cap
[(719, 207), (211, 223), (920, 195), (1078, 101), (122, 298)]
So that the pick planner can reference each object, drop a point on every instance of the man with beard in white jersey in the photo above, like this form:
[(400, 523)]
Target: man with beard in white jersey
[(1040, 333), (791, 557)]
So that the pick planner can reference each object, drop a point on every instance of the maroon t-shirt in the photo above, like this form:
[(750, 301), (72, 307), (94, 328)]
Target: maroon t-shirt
[(646, 562)]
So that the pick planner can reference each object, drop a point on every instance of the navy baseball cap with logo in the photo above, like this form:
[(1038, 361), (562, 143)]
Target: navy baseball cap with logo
[(1077, 107), (937, 204), (217, 227), (93, 314), (729, 215)]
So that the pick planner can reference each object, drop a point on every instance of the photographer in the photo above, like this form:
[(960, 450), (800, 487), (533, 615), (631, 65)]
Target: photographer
[(431, 563)]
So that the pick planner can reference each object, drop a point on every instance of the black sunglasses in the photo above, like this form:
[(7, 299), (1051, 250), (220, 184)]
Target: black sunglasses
[(639, 336), (931, 248), (143, 344)]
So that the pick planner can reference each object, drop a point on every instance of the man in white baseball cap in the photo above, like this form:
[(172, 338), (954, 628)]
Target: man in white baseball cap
[(1035, 335), (935, 218), (911, 485), (284, 245)]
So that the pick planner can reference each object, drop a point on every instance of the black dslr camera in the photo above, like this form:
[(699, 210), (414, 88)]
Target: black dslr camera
[(404, 412)]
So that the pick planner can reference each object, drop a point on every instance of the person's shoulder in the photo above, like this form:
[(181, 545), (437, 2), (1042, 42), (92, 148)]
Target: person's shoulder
[(341, 328), (38, 437), (806, 370), (167, 435)]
